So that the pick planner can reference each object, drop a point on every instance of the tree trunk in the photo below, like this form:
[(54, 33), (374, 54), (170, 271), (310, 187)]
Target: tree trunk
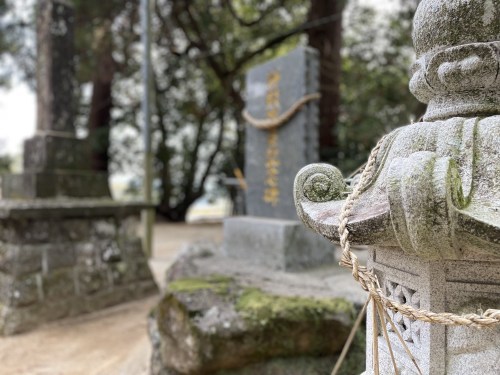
[(327, 39), (101, 103)]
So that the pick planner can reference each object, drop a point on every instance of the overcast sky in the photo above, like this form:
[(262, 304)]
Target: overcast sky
[(17, 105)]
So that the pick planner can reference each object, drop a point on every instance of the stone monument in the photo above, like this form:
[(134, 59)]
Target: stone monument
[(283, 89), (65, 246), (431, 210)]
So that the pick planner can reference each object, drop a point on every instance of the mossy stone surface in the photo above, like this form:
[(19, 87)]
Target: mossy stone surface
[(256, 305), (216, 325), (217, 283)]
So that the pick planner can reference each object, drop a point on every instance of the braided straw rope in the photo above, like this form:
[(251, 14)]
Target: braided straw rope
[(369, 282), (273, 123)]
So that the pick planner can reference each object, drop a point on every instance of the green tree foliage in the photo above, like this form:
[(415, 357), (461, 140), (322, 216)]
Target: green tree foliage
[(377, 56), (4, 45), (202, 51), (13, 26)]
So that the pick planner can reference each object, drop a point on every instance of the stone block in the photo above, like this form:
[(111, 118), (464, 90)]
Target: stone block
[(55, 309), (63, 258), (55, 184), (25, 231), (141, 270), (132, 248), (91, 280), (45, 153), (87, 254), (200, 278), (109, 251), (107, 298), (5, 288), (104, 228), (128, 228), (58, 255), (19, 291), (73, 230), (215, 324), (287, 366), (59, 284), (18, 260), (277, 244), (18, 320), (119, 272)]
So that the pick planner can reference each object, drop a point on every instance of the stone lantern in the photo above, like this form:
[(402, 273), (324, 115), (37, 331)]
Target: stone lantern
[(431, 213)]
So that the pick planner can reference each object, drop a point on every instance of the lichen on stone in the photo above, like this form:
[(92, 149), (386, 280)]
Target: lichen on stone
[(216, 283), (257, 306)]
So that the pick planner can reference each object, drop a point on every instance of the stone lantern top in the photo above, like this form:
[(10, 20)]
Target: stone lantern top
[(458, 57), (448, 23), (435, 190)]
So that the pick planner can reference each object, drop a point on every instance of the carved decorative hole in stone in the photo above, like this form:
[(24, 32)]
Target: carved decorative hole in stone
[(408, 328)]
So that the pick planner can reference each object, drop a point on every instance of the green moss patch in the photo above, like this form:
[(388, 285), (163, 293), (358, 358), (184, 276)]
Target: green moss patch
[(256, 305), (216, 283)]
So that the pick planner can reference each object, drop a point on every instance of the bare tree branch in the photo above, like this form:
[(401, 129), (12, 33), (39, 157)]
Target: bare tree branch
[(257, 20), (218, 146), (282, 37)]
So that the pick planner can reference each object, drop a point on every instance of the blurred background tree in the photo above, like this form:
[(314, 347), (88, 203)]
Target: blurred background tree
[(374, 90), (201, 51), (106, 40), (12, 38), (325, 35)]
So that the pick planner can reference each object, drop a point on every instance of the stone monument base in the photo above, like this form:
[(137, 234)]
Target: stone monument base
[(43, 185), (66, 257), (274, 243)]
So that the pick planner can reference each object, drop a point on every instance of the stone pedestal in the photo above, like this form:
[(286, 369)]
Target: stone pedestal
[(63, 258), (437, 286), (277, 244), (55, 166)]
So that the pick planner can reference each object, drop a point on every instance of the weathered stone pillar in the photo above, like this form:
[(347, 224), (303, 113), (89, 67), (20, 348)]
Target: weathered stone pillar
[(56, 163), (431, 213), (55, 70), (65, 246)]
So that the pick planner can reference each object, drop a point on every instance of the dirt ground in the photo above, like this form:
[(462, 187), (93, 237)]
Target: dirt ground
[(110, 342)]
